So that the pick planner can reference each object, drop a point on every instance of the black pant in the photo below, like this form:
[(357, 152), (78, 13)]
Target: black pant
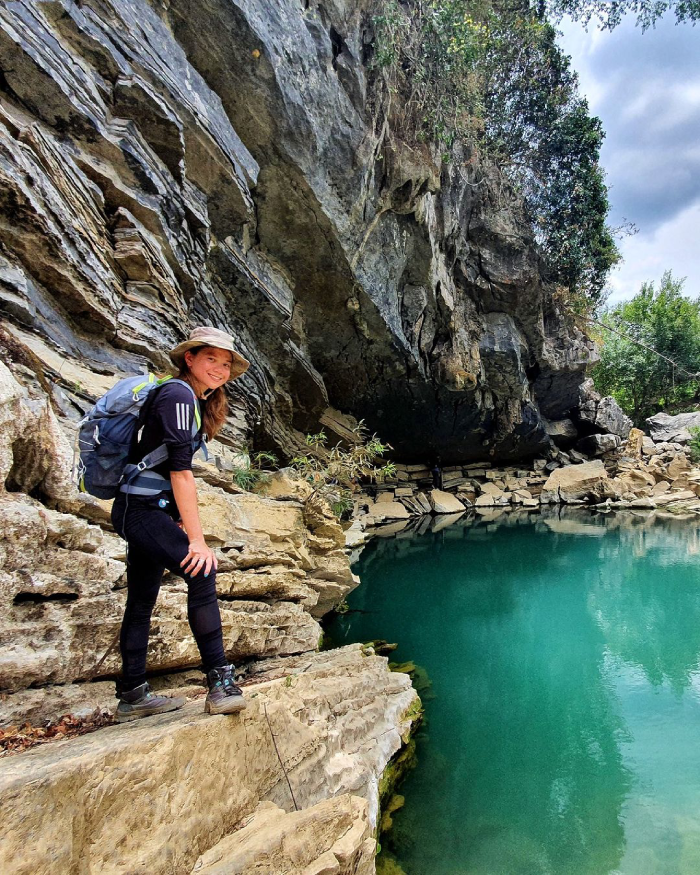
[(156, 542)]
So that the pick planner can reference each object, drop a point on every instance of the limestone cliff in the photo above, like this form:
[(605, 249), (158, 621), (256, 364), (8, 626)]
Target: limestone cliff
[(171, 162)]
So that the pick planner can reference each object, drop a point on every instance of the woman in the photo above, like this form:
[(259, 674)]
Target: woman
[(157, 516)]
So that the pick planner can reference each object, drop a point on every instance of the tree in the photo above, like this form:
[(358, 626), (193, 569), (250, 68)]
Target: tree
[(610, 14), (660, 319), (334, 471)]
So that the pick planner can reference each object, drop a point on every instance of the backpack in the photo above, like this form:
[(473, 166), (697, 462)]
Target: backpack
[(110, 430)]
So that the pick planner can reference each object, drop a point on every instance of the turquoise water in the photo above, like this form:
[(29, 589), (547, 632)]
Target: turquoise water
[(563, 723)]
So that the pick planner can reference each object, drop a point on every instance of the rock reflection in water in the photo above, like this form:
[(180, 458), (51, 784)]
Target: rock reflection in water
[(545, 637)]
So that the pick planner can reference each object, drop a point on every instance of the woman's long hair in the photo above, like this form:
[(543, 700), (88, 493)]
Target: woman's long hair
[(214, 409)]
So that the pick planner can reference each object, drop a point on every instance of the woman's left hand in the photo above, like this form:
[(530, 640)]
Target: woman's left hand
[(199, 556)]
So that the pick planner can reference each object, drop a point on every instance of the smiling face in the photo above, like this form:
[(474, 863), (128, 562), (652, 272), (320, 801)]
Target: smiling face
[(210, 367)]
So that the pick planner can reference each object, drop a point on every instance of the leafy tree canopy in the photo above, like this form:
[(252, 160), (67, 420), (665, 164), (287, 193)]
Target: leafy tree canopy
[(610, 12), (657, 318)]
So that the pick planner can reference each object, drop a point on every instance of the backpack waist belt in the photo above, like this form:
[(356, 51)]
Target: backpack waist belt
[(140, 480), (146, 483)]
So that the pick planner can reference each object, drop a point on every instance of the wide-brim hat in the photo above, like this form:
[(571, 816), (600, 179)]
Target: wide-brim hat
[(207, 336)]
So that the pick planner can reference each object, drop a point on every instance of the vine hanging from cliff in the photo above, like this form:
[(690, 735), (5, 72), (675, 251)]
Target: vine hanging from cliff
[(490, 74)]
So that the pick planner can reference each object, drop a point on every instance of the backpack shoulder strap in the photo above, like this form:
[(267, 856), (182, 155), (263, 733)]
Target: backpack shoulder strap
[(160, 453), (197, 422)]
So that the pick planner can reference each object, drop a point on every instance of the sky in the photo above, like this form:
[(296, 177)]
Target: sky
[(645, 88)]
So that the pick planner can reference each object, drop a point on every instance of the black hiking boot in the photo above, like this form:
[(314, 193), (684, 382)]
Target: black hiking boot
[(224, 696), (141, 702)]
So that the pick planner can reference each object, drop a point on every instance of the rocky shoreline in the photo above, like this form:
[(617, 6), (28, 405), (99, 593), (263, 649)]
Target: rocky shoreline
[(639, 474)]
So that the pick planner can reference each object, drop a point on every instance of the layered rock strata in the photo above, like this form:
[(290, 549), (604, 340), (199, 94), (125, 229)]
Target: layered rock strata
[(637, 473), (235, 163), (156, 795)]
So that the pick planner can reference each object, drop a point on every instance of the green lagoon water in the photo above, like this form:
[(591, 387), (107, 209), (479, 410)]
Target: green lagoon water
[(563, 722)]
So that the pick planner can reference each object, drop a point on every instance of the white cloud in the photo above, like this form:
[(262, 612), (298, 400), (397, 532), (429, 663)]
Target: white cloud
[(645, 87), (673, 246)]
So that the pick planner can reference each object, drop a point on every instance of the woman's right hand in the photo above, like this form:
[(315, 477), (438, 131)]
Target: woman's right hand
[(198, 557)]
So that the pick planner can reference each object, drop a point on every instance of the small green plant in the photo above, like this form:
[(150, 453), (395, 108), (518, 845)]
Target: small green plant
[(252, 474), (694, 444), (334, 471), (343, 505)]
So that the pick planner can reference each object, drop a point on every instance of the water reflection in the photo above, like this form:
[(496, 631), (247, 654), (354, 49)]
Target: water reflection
[(545, 638)]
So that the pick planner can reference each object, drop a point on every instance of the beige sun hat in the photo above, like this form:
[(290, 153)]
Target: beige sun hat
[(204, 335)]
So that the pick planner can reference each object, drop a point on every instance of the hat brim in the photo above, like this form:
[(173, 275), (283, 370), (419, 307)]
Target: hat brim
[(239, 365)]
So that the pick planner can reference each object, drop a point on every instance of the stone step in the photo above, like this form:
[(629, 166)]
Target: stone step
[(153, 795)]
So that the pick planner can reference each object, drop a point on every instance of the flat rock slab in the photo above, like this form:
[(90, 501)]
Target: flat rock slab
[(444, 502), (154, 795)]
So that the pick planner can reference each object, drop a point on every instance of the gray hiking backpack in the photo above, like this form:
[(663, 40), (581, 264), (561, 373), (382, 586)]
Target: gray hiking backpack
[(108, 433)]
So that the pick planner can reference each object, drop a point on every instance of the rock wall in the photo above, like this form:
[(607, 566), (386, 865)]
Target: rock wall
[(232, 162)]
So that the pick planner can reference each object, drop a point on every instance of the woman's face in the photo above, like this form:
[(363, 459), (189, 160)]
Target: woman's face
[(211, 367)]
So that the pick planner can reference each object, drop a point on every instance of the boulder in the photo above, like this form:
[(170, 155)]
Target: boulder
[(598, 444), (636, 480), (603, 414), (635, 443), (648, 446), (444, 502), (678, 465), (562, 431), (577, 458), (665, 428), (575, 483)]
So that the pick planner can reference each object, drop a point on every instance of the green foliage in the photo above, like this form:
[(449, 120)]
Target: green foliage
[(252, 474), (660, 319), (610, 14), (694, 444), (333, 471), (490, 74), (343, 505)]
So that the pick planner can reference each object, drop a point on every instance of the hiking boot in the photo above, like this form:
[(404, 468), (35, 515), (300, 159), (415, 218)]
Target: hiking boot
[(224, 696), (141, 702)]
